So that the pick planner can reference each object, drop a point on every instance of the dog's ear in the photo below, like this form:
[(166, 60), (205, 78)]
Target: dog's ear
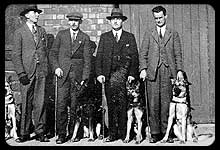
[(127, 85), (137, 84)]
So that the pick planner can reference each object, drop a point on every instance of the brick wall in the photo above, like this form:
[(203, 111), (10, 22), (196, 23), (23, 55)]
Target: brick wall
[(53, 18)]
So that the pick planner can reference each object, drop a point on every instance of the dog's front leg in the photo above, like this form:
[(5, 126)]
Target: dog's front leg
[(170, 122), (76, 127), (183, 121), (14, 126), (129, 121), (91, 136), (138, 114)]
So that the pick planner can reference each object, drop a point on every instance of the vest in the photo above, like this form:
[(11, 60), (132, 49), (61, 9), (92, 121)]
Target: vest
[(162, 54)]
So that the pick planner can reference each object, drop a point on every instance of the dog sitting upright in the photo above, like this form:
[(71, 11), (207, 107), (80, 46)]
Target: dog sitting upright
[(10, 118), (135, 110), (179, 111), (85, 111)]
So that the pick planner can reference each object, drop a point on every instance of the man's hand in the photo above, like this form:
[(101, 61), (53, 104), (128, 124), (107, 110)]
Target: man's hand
[(101, 78), (130, 79), (59, 72), (24, 79), (143, 74)]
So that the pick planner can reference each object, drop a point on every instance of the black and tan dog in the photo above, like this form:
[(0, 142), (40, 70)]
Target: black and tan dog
[(10, 110), (180, 111), (86, 125), (135, 111)]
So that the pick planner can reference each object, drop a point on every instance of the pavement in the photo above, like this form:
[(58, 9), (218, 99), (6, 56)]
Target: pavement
[(205, 132)]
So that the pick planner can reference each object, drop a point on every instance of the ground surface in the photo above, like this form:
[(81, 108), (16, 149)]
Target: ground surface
[(205, 132)]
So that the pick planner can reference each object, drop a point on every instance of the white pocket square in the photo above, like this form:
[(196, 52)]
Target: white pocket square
[(127, 45)]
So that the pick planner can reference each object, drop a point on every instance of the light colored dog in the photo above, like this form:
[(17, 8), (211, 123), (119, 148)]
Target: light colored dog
[(179, 112), (135, 111), (10, 119)]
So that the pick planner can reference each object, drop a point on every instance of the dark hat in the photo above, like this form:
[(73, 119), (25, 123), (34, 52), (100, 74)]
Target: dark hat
[(116, 13), (30, 8), (75, 16)]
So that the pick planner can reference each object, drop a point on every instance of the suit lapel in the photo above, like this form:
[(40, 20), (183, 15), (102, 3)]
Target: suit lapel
[(122, 39), (167, 35), (76, 44), (29, 34), (155, 35)]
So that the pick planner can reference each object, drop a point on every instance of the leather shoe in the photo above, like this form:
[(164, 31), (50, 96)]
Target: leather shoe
[(23, 138), (60, 140), (109, 139), (154, 138), (42, 138)]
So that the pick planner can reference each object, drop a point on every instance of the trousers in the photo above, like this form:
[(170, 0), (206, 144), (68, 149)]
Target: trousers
[(159, 96)]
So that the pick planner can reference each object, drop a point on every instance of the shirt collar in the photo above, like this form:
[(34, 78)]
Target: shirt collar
[(76, 32), (119, 32), (163, 29), (30, 25)]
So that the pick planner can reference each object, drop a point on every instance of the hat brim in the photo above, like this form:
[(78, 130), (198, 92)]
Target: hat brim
[(27, 10), (74, 18), (122, 17)]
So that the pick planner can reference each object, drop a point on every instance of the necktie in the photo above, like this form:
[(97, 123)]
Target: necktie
[(116, 37), (160, 34), (34, 31), (73, 36)]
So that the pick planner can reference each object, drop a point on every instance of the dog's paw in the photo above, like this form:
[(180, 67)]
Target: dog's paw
[(91, 140), (138, 139), (182, 142), (163, 141), (126, 140), (100, 137), (195, 140)]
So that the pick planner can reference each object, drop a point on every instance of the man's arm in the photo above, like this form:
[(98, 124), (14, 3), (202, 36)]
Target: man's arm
[(134, 58), (17, 53), (143, 52), (87, 59)]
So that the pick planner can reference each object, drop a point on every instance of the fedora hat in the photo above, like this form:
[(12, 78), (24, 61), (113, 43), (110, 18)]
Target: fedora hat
[(30, 8), (116, 13)]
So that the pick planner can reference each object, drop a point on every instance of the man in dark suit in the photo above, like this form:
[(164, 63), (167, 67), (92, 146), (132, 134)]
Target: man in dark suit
[(117, 62), (30, 62), (160, 58), (70, 57)]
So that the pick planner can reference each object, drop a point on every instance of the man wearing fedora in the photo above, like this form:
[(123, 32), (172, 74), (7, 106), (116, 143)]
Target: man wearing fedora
[(30, 62), (70, 57), (117, 62)]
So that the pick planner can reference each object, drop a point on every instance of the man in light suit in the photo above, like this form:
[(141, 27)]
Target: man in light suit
[(160, 59), (30, 62), (71, 60), (116, 63)]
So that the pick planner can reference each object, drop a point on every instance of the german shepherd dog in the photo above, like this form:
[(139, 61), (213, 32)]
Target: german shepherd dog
[(135, 111), (87, 112), (180, 111), (10, 112)]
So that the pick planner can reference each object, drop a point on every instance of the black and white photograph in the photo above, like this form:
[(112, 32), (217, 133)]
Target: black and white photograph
[(109, 75)]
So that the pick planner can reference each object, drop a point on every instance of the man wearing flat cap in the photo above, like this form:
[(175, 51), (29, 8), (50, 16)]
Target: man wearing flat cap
[(117, 63), (30, 62), (70, 56)]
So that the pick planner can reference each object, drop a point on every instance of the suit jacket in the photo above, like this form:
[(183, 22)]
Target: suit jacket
[(63, 54), (26, 51), (150, 48), (127, 45)]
